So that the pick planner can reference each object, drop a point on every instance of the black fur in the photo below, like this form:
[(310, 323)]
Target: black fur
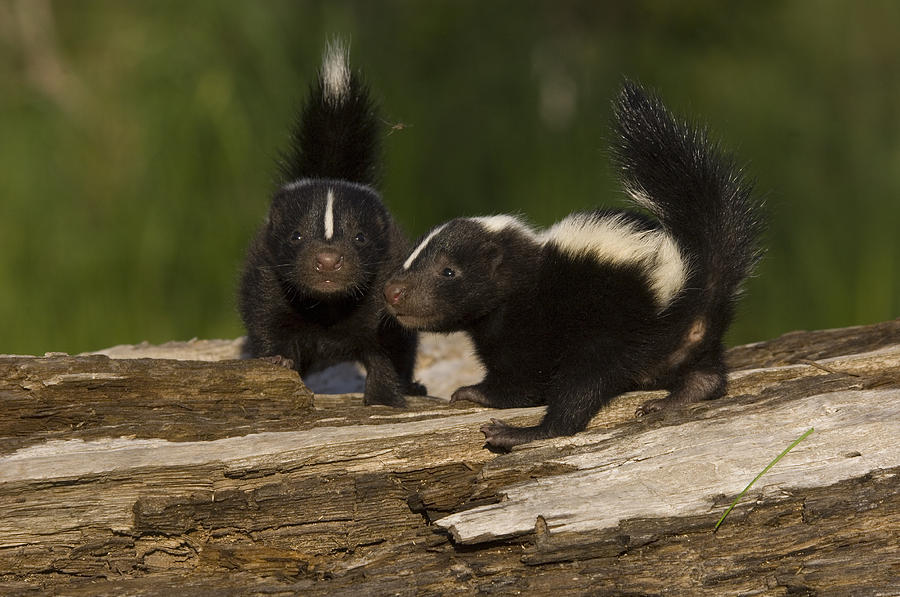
[(308, 300), (574, 330), (335, 139)]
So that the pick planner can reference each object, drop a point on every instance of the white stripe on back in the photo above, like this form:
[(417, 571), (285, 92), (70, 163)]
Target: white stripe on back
[(329, 215), (616, 239), (415, 253), (503, 222)]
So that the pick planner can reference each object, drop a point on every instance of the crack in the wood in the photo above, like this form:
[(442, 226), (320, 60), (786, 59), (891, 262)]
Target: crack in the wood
[(317, 462), (825, 368), (301, 524), (182, 552)]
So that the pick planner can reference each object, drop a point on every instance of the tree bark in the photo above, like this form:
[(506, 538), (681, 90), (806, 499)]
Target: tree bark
[(147, 476)]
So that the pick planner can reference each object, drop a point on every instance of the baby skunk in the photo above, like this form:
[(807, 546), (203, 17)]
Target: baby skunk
[(605, 301), (310, 293)]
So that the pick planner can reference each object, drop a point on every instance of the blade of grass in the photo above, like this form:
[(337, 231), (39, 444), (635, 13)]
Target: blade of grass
[(763, 472)]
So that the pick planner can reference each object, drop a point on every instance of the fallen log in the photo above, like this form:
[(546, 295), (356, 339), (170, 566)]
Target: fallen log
[(145, 476)]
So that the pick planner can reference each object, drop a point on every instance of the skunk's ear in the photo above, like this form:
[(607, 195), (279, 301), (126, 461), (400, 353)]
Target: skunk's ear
[(378, 221), (493, 255), (276, 216)]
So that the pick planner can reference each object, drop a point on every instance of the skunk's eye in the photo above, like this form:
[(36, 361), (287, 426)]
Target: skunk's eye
[(448, 273), (360, 238), (296, 236)]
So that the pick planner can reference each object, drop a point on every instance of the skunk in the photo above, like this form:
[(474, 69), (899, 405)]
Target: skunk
[(605, 301), (310, 293)]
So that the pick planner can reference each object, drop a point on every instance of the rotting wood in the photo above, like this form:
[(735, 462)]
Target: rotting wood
[(255, 489), (98, 397)]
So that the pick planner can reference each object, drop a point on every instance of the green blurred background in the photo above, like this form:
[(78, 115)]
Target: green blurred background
[(137, 140)]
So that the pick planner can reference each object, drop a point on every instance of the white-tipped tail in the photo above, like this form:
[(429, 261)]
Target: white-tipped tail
[(335, 71)]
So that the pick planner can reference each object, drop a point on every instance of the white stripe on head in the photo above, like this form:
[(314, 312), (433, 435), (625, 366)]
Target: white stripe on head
[(335, 72), (299, 183), (329, 215), (421, 247)]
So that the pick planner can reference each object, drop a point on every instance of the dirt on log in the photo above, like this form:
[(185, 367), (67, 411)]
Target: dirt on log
[(154, 476)]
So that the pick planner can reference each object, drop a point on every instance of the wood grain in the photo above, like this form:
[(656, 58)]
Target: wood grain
[(157, 476)]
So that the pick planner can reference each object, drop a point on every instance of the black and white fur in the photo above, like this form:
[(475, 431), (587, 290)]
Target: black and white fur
[(310, 294), (605, 301)]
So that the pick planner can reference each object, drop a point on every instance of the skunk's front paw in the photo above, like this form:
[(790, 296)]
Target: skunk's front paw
[(277, 359), (384, 397), (414, 388), (653, 406), (499, 436)]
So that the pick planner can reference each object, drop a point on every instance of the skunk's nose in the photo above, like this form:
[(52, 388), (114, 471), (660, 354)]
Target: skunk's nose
[(394, 292), (329, 261)]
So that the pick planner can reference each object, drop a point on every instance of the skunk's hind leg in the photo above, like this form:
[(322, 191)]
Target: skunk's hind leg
[(495, 394), (569, 410), (694, 385)]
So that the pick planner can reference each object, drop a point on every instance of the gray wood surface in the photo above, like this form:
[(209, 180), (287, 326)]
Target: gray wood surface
[(152, 476)]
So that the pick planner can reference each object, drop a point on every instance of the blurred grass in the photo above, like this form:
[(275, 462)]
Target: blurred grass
[(137, 140)]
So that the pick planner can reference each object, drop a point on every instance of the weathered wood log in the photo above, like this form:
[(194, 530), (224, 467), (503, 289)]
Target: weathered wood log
[(94, 397), (153, 476)]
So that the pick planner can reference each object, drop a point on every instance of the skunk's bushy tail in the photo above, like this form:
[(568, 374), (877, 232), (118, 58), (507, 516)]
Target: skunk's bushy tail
[(336, 134), (672, 168)]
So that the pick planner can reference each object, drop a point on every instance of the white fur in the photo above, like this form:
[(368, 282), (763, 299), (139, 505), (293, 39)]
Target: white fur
[(421, 247), (335, 72), (502, 222), (329, 215), (638, 195), (614, 239), (303, 182), (300, 182)]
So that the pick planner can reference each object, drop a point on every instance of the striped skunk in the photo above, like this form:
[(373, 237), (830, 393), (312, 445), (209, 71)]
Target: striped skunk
[(605, 301), (310, 293)]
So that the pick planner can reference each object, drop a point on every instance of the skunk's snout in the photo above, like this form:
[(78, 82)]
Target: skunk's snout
[(394, 292), (329, 261)]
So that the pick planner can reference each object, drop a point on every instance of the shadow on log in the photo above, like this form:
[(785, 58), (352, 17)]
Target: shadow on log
[(149, 476)]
